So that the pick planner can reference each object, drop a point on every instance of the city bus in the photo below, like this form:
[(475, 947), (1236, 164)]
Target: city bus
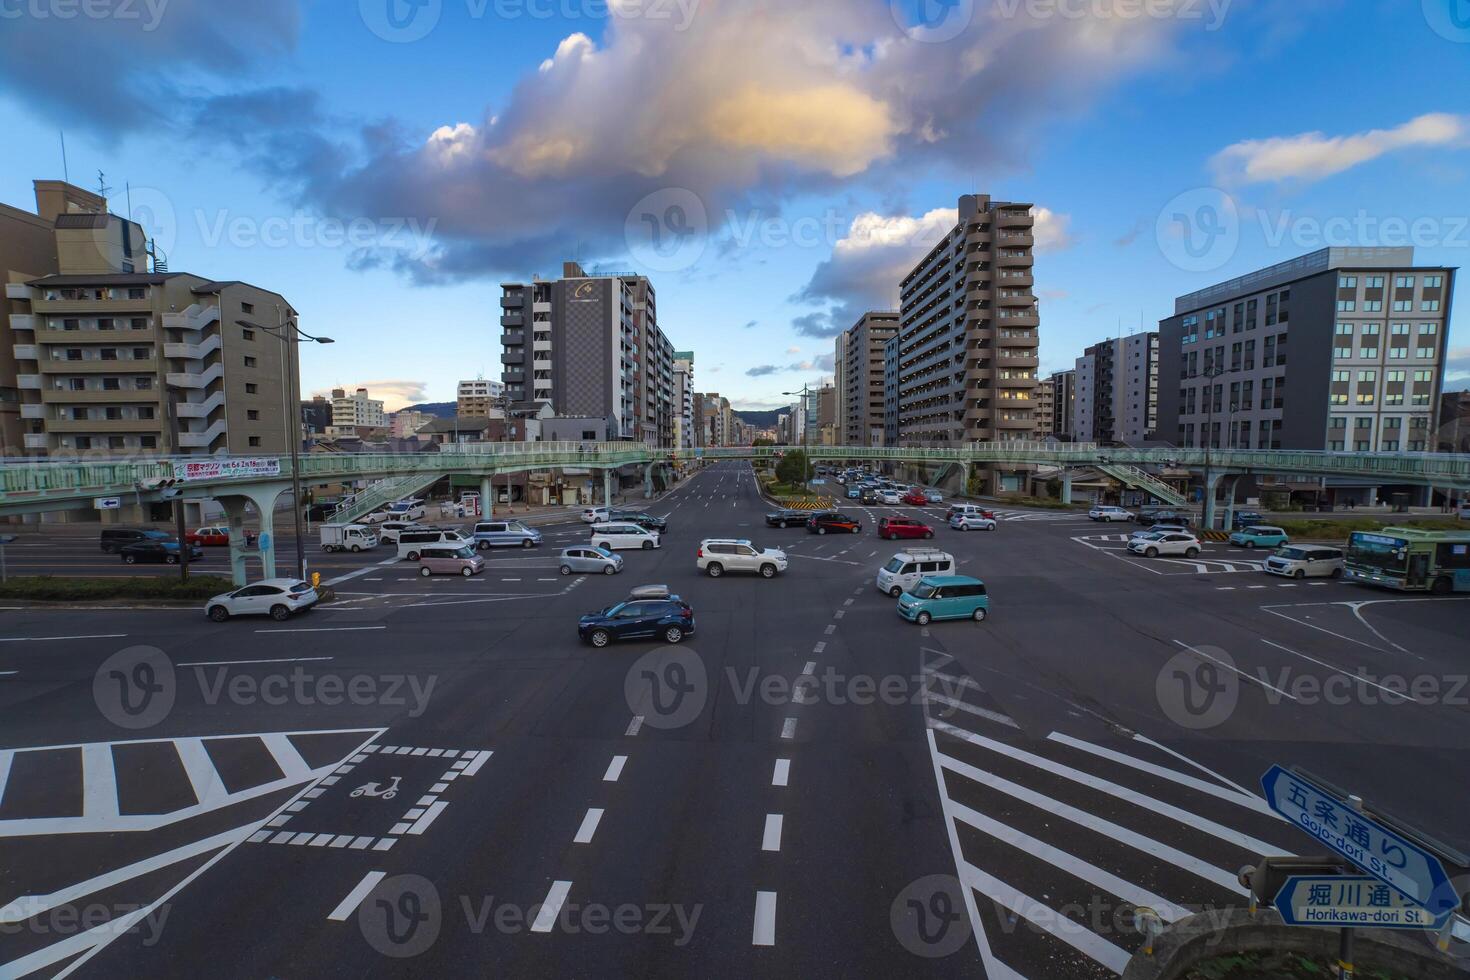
[(1410, 559)]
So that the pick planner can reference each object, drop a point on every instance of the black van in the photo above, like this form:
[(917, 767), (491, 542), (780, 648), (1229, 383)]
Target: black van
[(113, 538)]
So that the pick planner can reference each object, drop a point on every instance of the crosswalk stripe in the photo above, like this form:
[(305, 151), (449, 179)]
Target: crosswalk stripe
[(203, 776), (293, 766), (1163, 772), (99, 781)]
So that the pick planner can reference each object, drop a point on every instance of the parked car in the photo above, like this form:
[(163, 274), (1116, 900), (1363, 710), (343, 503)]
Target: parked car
[(907, 568), (114, 538), (786, 517), (945, 597), (505, 534), (892, 528), (411, 543), (1109, 513), (277, 598), (449, 560), (1306, 561), (1259, 536), (1165, 543), (668, 619), (716, 556), (972, 509), (215, 536), (933, 497), (155, 550), (594, 515), (348, 537), (1159, 515), (831, 521), (1159, 529), (1245, 518), (965, 521), (585, 559), (615, 535), (915, 498)]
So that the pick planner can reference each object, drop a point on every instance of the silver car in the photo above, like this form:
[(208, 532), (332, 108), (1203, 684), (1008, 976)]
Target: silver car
[(586, 559)]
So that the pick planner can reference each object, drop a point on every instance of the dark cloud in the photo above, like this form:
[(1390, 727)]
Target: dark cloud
[(749, 324), (819, 324), (762, 371)]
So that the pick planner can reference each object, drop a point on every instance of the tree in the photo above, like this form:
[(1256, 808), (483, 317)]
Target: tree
[(763, 441), (794, 467)]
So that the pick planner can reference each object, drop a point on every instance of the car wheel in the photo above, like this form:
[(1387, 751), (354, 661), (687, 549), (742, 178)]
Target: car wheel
[(895, 592), (1250, 546), (980, 615), (768, 571), (928, 535), (218, 613), (1152, 552), (413, 556), (858, 529), (784, 525), (923, 619), (673, 634), (1190, 552), (714, 569), (1337, 573), (566, 569), (130, 559), (467, 571), (483, 546), (527, 543), (424, 572), (600, 638), (648, 546), (356, 548), (280, 613), (172, 559), (1299, 573)]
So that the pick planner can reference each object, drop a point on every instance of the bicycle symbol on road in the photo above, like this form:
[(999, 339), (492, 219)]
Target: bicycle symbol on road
[(371, 789)]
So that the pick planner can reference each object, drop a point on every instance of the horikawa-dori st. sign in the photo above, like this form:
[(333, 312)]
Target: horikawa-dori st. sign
[(226, 469)]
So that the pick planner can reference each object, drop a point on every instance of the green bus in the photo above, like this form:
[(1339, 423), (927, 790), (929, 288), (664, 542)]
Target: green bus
[(1410, 559)]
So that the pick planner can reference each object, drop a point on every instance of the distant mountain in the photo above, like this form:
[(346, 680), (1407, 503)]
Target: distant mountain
[(440, 410), (759, 420)]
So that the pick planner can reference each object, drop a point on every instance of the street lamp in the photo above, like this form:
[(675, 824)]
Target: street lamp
[(287, 331)]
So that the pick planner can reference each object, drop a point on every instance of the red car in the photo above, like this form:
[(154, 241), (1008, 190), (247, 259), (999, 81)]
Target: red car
[(903, 527), (218, 536), (916, 498)]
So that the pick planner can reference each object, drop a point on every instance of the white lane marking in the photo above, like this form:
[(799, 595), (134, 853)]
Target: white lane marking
[(354, 898), (634, 725), (1253, 679), (614, 769), (8, 673), (764, 931), (839, 614), (99, 781), (847, 602), (811, 665), (325, 629), (228, 663), (1248, 800), (480, 759), (771, 839), (1338, 670), (548, 911), (38, 639), (788, 728), (198, 766), (781, 773), (589, 826), (819, 647), (995, 716), (5, 758), (422, 823), (830, 629)]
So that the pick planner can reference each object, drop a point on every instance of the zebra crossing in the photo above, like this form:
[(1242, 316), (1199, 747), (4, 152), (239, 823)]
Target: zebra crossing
[(1113, 823), (1116, 544)]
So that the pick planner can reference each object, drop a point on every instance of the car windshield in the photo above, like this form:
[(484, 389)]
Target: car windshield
[(924, 591), (894, 565), (1385, 554), (1295, 554), (465, 552)]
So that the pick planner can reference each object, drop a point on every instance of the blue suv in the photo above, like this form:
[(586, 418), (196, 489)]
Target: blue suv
[(668, 619), (945, 597)]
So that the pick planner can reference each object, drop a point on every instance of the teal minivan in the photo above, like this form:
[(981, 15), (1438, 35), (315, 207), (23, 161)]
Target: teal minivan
[(945, 597)]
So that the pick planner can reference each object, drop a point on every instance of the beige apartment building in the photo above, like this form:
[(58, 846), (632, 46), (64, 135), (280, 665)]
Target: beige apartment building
[(859, 377), (479, 398), (112, 354)]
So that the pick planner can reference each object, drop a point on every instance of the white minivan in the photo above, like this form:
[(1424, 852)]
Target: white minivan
[(1305, 561), (620, 535), (412, 542), (905, 569)]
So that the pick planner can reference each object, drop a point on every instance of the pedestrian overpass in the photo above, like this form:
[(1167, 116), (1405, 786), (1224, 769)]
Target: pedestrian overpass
[(33, 485)]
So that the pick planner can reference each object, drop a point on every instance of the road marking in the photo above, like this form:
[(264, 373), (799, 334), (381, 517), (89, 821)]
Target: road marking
[(5, 759), (614, 769), (228, 663), (1250, 677), (551, 908), (781, 773), (847, 602), (994, 716), (788, 728), (99, 781), (38, 639), (830, 629), (354, 898), (819, 647), (811, 665), (839, 614), (1248, 800), (8, 673), (589, 826), (1339, 670), (325, 629), (764, 932), (422, 823), (771, 839), (480, 759), (634, 725)]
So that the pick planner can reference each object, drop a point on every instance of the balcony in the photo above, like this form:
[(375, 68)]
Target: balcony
[(95, 396), (1003, 382), (17, 290), (195, 317), (25, 352), (1017, 279), (1016, 261), (1013, 220), (92, 307), (195, 379), (1015, 297), (113, 426), (978, 376), (144, 365), (513, 320), (541, 308), (35, 440), (200, 410), (35, 411), (978, 237), (193, 352), (24, 321), (1014, 424), (513, 301), (514, 377), (202, 440), (1015, 239), (513, 357), (1018, 320), (28, 382)]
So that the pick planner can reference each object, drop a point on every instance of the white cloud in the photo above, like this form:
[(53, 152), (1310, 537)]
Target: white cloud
[(1052, 232), (793, 350), (395, 394), (1315, 155)]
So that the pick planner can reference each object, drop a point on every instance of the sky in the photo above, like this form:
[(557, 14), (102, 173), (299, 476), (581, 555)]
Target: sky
[(774, 166)]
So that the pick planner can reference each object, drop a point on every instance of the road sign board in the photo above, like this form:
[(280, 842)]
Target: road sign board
[(263, 542), (107, 503), (1376, 849), (1350, 901)]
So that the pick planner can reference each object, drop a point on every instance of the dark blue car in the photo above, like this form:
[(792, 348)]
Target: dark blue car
[(669, 620), (157, 549)]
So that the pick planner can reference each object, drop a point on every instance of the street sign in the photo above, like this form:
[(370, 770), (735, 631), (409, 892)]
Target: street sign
[(1350, 901), (263, 542), (107, 503), (1368, 844)]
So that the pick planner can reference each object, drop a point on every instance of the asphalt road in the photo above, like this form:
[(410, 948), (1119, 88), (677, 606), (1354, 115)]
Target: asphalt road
[(798, 789)]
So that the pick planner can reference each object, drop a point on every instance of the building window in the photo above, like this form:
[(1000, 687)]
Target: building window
[(1424, 353), (247, 334), (1403, 282), (1429, 306), (145, 412), (148, 442), (250, 388), (247, 307), (143, 383), (109, 353), (111, 384), (1347, 282), (249, 361), (1433, 282), (141, 353), (77, 384), (1403, 306), (255, 440), (1346, 305), (1372, 306), (252, 415)]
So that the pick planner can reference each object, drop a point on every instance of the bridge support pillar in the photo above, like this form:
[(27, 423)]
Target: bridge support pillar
[(487, 497), (1230, 486), (235, 516), (264, 498), (1207, 507), (648, 480), (1066, 486), (607, 486)]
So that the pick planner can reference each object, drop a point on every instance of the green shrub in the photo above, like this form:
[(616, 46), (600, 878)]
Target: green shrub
[(50, 588), (1338, 530)]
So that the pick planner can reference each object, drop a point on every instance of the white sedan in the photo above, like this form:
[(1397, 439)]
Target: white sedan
[(971, 522), (890, 497), (277, 598), (1109, 514), (1157, 543)]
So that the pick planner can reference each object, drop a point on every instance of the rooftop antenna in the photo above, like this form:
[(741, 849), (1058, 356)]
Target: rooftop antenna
[(129, 188), (65, 171), (102, 187)]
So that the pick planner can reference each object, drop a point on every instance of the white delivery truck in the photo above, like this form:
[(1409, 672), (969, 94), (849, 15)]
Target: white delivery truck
[(348, 537)]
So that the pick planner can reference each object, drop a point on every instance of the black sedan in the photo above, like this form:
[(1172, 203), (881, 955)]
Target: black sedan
[(668, 620), (646, 521), (787, 517), (152, 550)]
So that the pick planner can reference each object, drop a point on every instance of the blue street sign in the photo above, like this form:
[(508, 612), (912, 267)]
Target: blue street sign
[(1350, 901), (1374, 848), (263, 542)]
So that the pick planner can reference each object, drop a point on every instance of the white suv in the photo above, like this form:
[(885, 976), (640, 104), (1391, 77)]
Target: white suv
[(716, 556), (1157, 543), (1109, 513)]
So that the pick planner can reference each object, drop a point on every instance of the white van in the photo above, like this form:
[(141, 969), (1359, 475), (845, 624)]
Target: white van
[(412, 542), (905, 569), (617, 535), (1305, 561)]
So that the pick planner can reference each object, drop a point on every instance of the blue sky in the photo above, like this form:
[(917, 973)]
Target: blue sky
[(794, 158)]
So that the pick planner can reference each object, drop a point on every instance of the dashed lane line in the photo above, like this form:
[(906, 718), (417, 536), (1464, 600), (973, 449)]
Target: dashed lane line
[(38, 639), (234, 663), (325, 629), (764, 931), (781, 774), (771, 837), (354, 898), (634, 725), (551, 907), (614, 769), (589, 826)]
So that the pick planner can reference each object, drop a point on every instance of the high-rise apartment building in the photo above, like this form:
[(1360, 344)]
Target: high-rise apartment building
[(1064, 404), (890, 391), (859, 360), (1116, 396), (968, 332), (114, 353), (714, 419), (1339, 349), (479, 398), (595, 350), (685, 426), (1045, 410), (839, 385), (357, 410)]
